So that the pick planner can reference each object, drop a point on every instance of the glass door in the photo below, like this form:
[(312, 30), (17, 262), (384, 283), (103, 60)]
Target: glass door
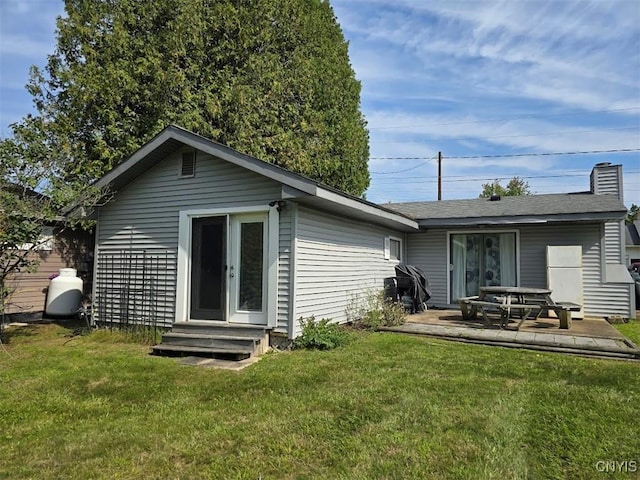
[(208, 263), (247, 270), (481, 259)]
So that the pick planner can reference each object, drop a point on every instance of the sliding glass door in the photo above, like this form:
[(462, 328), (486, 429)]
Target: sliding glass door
[(481, 259)]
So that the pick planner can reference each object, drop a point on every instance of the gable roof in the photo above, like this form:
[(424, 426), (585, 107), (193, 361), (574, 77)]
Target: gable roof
[(299, 187), (632, 233), (560, 207)]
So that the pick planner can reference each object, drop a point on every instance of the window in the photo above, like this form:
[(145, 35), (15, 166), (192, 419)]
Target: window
[(188, 166), (393, 249)]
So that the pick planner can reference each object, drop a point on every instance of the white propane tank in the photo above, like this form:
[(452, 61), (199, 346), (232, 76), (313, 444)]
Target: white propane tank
[(65, 293)]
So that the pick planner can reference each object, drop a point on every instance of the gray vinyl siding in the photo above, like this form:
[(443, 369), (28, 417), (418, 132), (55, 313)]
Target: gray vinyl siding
[(428, 251), (144, 215), (338, 261), (607, 180), (613, 242)]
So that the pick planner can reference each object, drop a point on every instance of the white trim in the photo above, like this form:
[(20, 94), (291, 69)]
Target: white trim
[(273, 227), (365, 208), (293, 272), (184, 254), (387, 252), (96, 257), (479, 231)]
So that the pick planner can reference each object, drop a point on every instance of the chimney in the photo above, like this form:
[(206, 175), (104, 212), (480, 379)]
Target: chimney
[(606, 179)]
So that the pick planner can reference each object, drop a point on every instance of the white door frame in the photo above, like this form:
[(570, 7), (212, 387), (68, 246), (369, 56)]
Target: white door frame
[(450, 233), (236, 315), (183, 288)]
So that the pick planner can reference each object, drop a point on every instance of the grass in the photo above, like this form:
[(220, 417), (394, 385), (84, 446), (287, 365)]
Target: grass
[(631, 330), (385, 406)]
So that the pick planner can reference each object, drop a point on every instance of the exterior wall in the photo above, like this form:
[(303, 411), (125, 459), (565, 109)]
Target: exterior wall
[(71, 249), (140, 227), (337, 261), (428, 250)]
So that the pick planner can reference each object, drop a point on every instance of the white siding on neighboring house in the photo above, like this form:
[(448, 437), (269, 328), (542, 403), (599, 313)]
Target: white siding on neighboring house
[(337, 260), (428, 251), (144, 216)]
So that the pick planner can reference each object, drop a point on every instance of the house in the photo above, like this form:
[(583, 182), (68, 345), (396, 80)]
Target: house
[(465, 244), (632, 243), (197, 232), (58, 248)]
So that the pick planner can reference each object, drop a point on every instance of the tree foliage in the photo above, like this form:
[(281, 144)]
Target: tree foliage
[(516, 187), (270, 78), (632, 214)]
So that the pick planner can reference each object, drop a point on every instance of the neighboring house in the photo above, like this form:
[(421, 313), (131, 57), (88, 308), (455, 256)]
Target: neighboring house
[(197, 231), (632, 232), (58, 248)]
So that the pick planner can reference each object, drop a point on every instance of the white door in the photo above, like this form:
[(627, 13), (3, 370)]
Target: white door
[(248, 269)]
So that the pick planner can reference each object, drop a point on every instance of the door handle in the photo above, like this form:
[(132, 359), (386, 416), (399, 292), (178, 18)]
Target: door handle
[(231, 274)]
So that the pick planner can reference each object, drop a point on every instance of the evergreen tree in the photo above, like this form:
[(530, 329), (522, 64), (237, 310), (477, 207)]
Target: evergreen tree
[(270, 78)]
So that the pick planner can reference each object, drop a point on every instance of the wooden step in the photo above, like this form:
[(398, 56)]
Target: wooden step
[(212, 338), (208, 328), (202, 351), (209, 341)]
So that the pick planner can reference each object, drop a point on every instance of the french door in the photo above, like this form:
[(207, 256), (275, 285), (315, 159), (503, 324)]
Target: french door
[(481, 259), (248, 269), (228, 268)]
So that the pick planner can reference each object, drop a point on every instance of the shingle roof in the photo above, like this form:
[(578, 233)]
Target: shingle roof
[(632, 233), (583, 206)]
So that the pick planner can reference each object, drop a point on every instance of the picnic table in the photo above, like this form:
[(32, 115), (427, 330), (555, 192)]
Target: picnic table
[(526, 301)]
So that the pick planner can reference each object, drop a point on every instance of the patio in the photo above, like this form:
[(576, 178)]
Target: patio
[(589, 336)]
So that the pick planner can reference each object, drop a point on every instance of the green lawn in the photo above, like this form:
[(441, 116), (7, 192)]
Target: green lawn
[(386, 406), (630, 330)]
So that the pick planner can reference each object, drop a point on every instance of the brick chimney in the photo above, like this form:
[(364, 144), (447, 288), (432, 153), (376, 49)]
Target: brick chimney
[(606, 179)]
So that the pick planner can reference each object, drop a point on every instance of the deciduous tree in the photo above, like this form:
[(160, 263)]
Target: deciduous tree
[(516, 186)]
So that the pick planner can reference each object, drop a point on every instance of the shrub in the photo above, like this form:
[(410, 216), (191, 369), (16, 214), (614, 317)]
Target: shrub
[(373, 312), (320, 335)]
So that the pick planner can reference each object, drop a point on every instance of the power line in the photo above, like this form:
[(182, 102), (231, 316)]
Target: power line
[(466, 178), (406, 169), (588, 152), (504, 118)]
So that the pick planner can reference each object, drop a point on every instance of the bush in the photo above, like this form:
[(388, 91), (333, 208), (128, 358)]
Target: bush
[(374, 312), (320, 335)]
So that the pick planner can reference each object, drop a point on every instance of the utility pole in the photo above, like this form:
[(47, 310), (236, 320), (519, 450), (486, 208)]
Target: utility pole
[(439, 175)]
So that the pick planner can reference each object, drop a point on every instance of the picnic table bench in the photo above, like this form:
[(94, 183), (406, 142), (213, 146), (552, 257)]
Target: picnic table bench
[(527, 301)]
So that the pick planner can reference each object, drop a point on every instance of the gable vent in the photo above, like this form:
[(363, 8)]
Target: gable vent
[(188, 168)]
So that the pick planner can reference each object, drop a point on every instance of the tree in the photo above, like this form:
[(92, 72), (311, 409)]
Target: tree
[(270, 78), (632, 215), (31, 196), (516, 186)]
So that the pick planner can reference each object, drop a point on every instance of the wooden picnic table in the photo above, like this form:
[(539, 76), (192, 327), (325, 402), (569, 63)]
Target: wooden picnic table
[(524, 300)]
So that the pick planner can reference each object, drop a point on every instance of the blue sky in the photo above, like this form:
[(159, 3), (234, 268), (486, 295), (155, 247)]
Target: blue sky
[(467, 78)]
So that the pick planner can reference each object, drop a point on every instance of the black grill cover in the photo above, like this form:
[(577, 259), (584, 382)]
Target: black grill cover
[(412, 281)]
